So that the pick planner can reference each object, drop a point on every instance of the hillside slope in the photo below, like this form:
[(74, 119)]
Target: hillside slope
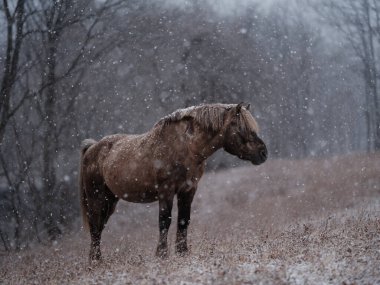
[(309, 221)]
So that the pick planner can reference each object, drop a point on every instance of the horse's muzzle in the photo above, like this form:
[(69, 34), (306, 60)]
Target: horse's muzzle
[(261, 157)]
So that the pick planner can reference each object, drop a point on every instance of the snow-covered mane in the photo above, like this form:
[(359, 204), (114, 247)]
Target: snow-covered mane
[(210, 117)]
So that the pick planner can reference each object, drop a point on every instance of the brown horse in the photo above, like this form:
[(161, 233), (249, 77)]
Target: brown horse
[(166, 161)]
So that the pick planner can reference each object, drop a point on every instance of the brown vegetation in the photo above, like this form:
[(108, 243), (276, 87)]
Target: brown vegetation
[(309, 221)]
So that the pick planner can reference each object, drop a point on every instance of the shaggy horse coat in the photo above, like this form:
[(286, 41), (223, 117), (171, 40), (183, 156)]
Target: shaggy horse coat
[(166, 161)]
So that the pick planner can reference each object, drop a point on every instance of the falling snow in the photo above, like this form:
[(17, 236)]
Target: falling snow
[(73, 70)]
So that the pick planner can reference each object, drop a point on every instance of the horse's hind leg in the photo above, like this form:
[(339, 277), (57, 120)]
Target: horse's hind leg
[(165, 218), (185, 199), (101, 204)]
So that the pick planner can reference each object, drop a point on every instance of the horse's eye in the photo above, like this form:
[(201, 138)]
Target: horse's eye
[(244, 139), (253, 136), (249, 138)]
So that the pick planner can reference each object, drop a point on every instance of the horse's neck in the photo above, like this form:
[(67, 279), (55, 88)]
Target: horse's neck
[(203, 143)]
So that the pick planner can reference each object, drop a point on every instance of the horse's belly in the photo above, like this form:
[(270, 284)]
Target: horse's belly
[(146, 196), (135, 192)]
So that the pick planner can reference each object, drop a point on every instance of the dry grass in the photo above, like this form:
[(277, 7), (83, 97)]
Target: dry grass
[(286, 222)]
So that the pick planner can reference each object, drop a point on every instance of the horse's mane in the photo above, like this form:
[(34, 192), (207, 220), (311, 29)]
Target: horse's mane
[(210, 117)]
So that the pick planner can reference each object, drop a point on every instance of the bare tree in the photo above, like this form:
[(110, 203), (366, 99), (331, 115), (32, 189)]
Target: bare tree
[(57, 18), (14, 38), (358, 22), (55, 69)]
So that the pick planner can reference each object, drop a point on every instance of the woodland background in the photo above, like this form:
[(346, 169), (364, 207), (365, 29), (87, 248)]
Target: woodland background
[(77, 69)]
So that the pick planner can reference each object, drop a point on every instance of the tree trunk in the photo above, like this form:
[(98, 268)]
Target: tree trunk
[(49, 138), (11, 62)]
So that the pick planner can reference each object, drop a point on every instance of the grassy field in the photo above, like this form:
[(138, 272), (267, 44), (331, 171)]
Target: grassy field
[(285, 222)]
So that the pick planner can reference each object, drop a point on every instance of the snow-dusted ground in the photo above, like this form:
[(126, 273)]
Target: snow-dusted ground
[(285, 222)]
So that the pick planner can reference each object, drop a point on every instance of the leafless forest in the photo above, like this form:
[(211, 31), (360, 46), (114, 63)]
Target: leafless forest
[(77, 69)]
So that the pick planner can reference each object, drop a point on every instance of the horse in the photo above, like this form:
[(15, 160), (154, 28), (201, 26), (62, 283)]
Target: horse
[(165, 162)]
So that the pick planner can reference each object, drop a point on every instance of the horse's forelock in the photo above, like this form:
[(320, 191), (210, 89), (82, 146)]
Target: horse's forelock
[(247, 123)]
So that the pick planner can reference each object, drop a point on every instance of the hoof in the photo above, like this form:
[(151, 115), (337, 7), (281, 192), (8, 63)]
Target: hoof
[(95, 254), (162, 253), (94, 263), (181, 250), (95, 258), (182, 253)]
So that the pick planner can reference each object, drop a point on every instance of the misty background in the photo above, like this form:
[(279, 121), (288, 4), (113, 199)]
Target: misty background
[(80, 69)]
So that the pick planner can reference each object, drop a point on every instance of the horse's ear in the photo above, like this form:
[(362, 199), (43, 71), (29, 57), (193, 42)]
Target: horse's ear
[(238, 108), (248, 106)]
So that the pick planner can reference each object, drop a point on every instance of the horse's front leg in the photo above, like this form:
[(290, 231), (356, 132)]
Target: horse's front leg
[(185, 199), (165, 218)]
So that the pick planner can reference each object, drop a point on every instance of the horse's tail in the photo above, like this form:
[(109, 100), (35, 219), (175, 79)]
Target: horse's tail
[(83, 199)]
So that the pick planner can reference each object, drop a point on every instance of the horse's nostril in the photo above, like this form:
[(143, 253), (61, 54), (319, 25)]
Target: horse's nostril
[(263, 154)]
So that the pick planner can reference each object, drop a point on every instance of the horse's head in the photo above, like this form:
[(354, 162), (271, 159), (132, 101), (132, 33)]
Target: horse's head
[(240, 137)]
